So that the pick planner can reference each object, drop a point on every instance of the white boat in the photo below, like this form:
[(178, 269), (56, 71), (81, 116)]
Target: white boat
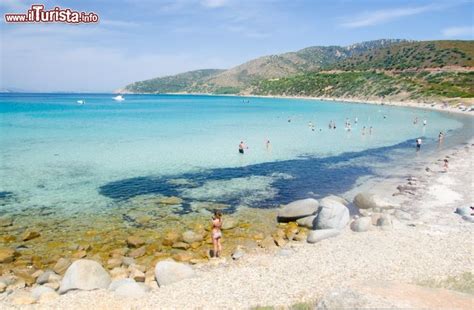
[(81, 102), (119, 98)]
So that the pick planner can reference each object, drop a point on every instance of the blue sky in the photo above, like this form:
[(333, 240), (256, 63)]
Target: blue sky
[(137, 40)]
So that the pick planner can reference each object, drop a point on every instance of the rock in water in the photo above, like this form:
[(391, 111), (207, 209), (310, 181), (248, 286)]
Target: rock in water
[(135, 242), (307, 222), (86, 275), (190, 237), (367, 200), (332, 215), (6, 221), (62, 265), (298, 209), (361, 224), (7, 255), (29, 234), (167, 272), (318, 235)]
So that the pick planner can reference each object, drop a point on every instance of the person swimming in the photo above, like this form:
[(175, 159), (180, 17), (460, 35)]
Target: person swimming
[(418, 143), (216, 233), (242, 147), (363, 130)]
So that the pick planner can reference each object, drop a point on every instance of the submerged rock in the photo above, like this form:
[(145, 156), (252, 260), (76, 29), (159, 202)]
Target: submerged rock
[(170, 200), (298, 209), (191, 237), (6, 221), (332, 215), (135, 242), (85, 275), (6, 255), (29, 235), (167, 272), (321, 234), (62, 265), (229, 223)]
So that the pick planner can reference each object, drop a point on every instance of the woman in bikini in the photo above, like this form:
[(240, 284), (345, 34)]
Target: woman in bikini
[(216, 233)]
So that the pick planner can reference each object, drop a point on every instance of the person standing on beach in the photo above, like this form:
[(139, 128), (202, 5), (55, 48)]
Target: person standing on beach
[(216, 233), (242, 147), (445, 165)]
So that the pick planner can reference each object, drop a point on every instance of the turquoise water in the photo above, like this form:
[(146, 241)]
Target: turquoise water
[(59, 154)]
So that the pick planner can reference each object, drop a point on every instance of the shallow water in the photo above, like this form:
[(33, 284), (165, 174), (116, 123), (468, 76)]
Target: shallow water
[(82, 167)]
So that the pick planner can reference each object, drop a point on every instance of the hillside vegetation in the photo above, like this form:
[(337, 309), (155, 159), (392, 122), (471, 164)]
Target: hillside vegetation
[(381, 68), (371, 84)]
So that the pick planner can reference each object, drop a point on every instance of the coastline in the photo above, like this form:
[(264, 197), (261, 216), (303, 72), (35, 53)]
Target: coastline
[(431, 246), (435, 104)]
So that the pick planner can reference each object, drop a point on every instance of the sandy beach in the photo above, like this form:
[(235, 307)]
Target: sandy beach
[(427, 245)]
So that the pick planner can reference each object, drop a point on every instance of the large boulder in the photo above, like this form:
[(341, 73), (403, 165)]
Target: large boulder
[(168, 272), (361, 224), (332, 215), (367, 200), (298, 209), (86, 275), (464, 211), (318, 235)]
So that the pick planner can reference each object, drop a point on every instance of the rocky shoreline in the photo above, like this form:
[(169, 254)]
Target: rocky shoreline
[(405, 231)]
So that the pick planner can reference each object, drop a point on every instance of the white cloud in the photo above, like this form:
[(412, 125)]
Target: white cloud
[(384, 16), (458, 31), (214, 3)]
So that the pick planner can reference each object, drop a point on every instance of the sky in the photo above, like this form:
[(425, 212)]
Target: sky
[(138, 40)]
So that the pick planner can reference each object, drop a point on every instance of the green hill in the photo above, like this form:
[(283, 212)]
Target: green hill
[(171, 84), (241, 77), (398, 69), (371, 84), (411, 55)]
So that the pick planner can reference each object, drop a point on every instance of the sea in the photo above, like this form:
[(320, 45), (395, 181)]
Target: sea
[(70, 158)]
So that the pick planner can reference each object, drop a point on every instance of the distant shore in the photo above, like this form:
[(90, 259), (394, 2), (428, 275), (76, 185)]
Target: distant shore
[(464, 105)]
